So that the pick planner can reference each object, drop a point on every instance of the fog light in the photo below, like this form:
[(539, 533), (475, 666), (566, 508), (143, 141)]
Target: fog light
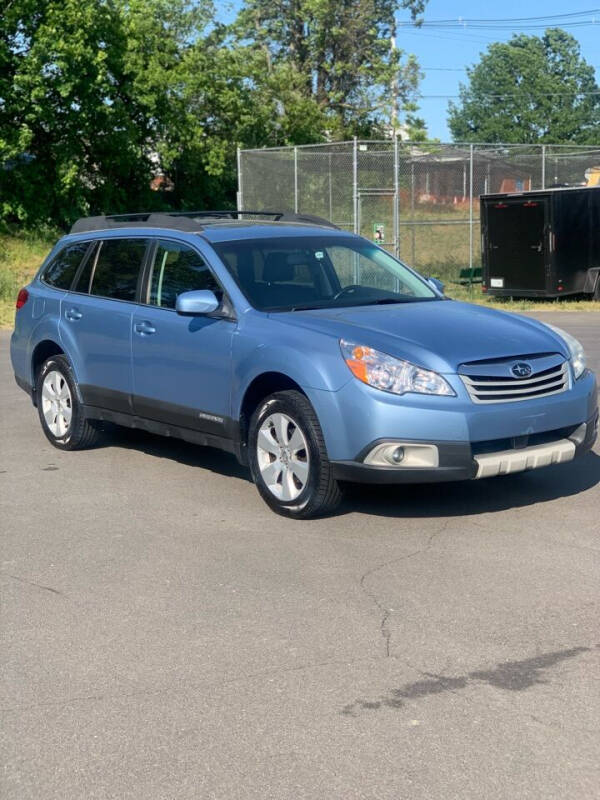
[(397, 455), (406, 455)]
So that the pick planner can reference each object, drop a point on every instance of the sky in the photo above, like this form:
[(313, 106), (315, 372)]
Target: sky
[(444, 54)]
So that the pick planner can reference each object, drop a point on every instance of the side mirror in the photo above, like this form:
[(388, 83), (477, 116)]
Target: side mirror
[(201, 301), (437, 284)]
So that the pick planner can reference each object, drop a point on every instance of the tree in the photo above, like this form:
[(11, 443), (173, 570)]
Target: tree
[(96, 98), (530, 89), (341, 54), (231, 98), (70, 131)]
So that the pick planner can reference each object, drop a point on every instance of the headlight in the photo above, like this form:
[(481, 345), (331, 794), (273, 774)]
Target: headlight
[(576, 350), (391, 374)]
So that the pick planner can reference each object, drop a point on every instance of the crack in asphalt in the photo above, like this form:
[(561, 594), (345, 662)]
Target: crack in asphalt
[(387, 612), (188, 687), (431, 684), (32, 583)]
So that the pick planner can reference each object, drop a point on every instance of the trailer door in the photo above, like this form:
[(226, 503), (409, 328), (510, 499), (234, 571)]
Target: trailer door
[(517, 243)]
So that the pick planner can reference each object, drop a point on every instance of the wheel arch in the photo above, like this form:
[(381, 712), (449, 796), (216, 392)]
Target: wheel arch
[(261, 386), (42, 351)]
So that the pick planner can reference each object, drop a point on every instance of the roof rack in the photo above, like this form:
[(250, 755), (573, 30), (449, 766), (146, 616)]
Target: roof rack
[(191, 220)]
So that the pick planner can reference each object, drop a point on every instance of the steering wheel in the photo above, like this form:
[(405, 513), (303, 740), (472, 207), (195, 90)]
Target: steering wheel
[(347, 290)]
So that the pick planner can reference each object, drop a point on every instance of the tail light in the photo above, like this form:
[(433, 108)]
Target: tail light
[(22, 298)]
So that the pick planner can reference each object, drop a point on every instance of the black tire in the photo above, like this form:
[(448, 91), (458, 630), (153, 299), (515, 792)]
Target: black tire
[(81, 433), (321, 494)]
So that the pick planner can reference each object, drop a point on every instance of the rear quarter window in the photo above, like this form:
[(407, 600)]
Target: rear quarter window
[(62, 269)]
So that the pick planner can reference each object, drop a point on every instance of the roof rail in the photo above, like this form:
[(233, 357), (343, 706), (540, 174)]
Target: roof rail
[(190, 220)]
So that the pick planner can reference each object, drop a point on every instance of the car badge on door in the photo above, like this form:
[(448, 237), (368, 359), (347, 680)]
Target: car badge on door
[(521, 369)]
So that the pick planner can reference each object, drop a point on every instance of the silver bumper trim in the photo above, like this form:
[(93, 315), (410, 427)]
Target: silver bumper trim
[(508, 461)]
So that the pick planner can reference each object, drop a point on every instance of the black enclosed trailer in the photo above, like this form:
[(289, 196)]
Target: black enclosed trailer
[(541, 244)]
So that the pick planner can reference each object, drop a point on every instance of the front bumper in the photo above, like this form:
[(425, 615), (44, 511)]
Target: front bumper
[(465, 461), (357, 415)]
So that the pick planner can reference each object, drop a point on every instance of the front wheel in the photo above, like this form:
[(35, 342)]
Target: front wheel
[(288, 458)]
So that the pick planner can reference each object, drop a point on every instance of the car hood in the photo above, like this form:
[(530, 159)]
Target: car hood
[(439, 335)]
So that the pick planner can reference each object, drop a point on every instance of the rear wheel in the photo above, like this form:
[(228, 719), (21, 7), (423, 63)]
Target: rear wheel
[(60, 411), (288, 458)]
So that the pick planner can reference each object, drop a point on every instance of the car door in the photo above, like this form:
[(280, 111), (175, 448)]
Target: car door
[(96, 321), (181, 364)]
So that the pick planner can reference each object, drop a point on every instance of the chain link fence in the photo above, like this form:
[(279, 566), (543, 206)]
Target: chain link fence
[(418, 200)]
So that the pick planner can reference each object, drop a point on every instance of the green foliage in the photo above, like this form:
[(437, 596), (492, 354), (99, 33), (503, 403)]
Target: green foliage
[(340, 52), (21, 253), (229, 99), (99, 98), (530, 89), (70, 109)]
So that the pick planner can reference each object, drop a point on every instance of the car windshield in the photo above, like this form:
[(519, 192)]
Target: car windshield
[(302, 272)]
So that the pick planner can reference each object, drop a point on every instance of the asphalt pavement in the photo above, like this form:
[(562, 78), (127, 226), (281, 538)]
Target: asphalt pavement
[(165, 636)]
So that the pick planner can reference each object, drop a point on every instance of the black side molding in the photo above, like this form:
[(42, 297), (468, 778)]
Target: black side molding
[(162, 428)]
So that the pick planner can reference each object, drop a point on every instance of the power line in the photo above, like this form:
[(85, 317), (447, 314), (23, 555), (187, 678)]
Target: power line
[(464, 69), (511, 27), (456, 37), (489, 28), (568, 20), (518, 19), (513, 94)]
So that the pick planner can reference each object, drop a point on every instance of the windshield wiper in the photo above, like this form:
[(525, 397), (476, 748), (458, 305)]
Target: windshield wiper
[(385, 300), (307, 308), (381, 301)]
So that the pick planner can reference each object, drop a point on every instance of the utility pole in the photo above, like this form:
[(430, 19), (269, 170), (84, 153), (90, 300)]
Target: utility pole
[(394, 86)]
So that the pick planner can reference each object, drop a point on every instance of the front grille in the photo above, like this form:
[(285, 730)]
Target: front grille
[(498, 389)]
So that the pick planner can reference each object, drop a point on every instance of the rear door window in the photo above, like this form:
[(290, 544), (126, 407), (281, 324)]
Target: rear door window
[(63, 267), (84, 276), (117, 268), (176, 269)]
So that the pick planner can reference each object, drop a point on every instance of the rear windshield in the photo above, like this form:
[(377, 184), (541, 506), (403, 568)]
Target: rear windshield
[(295, 273)]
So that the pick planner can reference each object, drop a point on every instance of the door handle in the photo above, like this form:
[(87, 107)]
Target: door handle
[(73, 314), (144, 328)]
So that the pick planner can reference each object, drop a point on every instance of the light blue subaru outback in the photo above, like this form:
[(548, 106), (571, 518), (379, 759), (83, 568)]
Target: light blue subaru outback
[(312, 354)]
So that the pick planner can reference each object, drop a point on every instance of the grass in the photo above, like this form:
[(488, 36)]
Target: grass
[(22, 252), (448, 272), (475, 295), (427, 248)]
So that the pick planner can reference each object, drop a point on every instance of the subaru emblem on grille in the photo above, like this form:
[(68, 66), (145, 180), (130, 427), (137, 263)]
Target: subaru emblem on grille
[(521, 369)]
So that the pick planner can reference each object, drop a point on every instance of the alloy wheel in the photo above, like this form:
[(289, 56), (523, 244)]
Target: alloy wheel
[(57, 403), (282, 453)]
